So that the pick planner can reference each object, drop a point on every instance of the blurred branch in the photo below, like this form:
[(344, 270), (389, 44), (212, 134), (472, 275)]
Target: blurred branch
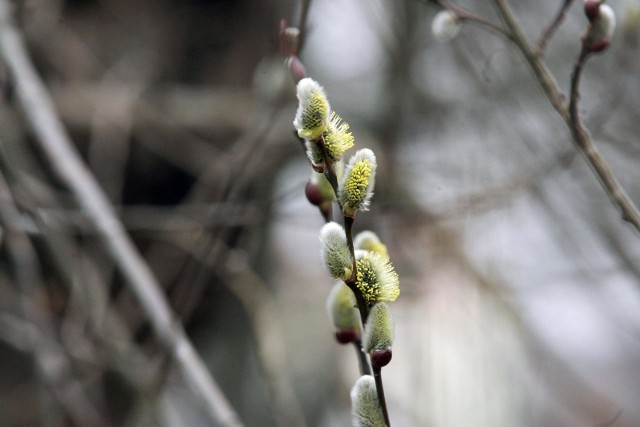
[(551, 29), (302, 23), (465, 15), (263, 312), (54, 142), (185, 218), (202, 107), (52, 364), (581, 135), (492, 198), (543, 74), (583, 139)]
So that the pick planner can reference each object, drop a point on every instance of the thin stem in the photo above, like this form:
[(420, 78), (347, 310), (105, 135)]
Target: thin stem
[(575, 88), (330, 173), (363, 307), (302, 25), (465, 15), (365, 369), (329, 169), (586, 145), (540, 70), (551, 29), (377, 375)]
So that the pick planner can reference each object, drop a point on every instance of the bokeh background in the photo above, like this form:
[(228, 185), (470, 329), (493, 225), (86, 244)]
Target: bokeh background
[(520, 282)]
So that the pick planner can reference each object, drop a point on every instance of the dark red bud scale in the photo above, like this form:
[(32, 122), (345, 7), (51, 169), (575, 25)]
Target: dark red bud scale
[(592, 9), (380, 358), (598, 45), (313, 193), (346, 336)]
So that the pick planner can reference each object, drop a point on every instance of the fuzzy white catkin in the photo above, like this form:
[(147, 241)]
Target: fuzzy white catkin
[(378, 333), (365, 408), (313, 109), (358, 181), (606, 21), (341, 305), (445, 25), (335, 251)]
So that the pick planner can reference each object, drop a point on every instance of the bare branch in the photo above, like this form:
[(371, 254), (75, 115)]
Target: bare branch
[(51, 362), (581, 136), (57, 147), (583, 140)]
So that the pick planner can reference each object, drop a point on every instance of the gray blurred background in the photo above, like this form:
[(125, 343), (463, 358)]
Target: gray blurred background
[(520, 283)]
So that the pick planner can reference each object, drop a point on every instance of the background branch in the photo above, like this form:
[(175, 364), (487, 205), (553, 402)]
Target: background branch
[(49, 133), (581, 136)]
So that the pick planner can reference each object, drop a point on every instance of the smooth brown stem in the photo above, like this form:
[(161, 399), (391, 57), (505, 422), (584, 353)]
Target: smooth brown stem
[(377, 375), (363, 307), (575, 89), (365, 369)]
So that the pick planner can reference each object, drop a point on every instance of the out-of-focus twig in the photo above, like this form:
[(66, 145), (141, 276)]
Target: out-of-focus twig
[(56, 145), (581, 136), (583, 140), (551, 29), (465, 15), (262, 310), (52, 364)]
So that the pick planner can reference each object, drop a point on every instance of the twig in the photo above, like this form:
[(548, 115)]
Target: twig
[(580, 134), (266, 324), (597, 162), (551, 29), (465, 15), (51, 362), (542, 73), (304, 15), (66, 164)]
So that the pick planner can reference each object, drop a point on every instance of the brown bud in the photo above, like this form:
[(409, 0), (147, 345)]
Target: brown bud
[(346, 336), (380, 358)]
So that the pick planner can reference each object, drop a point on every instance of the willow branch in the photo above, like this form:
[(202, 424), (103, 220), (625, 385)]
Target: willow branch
[(586, 145), (54, 142), (580, 135)]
